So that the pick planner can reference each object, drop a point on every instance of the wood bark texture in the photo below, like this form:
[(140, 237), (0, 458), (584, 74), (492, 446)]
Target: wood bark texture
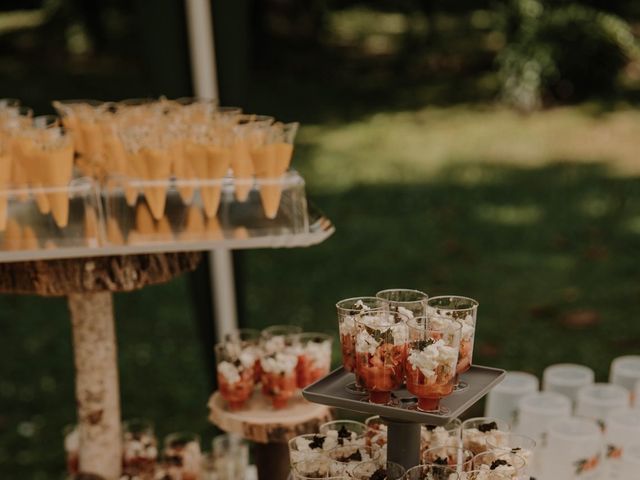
[(97, 387), (98, 274)]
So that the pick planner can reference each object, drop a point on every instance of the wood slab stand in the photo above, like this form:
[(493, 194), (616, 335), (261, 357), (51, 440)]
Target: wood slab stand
[(270, 429), (88, 284)]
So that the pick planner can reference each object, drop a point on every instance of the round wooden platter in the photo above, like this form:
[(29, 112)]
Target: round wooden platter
[(261, 423)]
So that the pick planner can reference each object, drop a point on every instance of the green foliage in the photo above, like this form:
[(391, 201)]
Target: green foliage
[(566, 53)]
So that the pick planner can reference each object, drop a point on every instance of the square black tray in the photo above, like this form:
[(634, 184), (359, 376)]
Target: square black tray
[(331, 391)]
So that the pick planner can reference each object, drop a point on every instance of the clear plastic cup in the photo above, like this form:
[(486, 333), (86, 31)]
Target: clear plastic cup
[(567, 379), (231, 456), (625, 371), (502, 401), (412, 303), (344, 459), (520, 445), (622, 431), (432, 472), (455, 457), (598, 400), (537, 410), (574, 450), (476, 431), (509, 463)]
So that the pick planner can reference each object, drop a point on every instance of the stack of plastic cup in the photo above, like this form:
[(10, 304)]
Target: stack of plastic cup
[(625, 371), (622, 432), (567, 379), (537, 410), (502, 401), (574, 450), (600, 399)]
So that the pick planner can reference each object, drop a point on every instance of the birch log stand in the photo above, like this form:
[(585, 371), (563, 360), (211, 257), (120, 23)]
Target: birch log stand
[(270, 429), (88, 284)]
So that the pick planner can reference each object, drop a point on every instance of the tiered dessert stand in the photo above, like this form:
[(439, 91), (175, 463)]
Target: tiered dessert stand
[(85, 261)]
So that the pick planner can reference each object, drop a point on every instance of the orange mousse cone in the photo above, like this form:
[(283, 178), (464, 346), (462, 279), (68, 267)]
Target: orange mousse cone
[(29, 239), (158, 163), (217, 163), (144, 221), (213, 230), (242, 167), (194, 226), (265, 161), (114, 234), (57, 171), (182, 170)]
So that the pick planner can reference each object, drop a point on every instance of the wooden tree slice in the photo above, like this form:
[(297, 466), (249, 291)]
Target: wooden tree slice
[(260, 423), (98, 274)]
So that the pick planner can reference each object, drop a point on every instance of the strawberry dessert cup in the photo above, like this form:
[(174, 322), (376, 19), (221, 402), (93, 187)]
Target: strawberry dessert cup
[(279, 382), (381, 350), (139, 448), (236, 373), (431, 360), (350, 311), (465, 310), (314, 358)]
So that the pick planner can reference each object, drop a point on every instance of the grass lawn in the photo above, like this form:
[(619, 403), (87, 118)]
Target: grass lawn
[(537, 217)]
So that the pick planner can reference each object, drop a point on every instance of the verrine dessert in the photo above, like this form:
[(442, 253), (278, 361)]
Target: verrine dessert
[(476, 432), (510, 465), (236, 372), (343, 459), (139, 448), (381, 349), (350, 311), (431, 472), (377, 430), (447, 435), (279, 382), (431, 360), (314, 357), (182, 454), (454, 457), (465, 311)]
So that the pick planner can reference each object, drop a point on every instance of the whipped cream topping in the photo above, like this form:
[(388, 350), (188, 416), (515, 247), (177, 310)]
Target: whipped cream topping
[(435, 355), (405, 311), (476, 441), (438, 437), (229, 371), (500, 472), (72, 440), (139, 446), (313, 467), (318, 353), (279, 363)]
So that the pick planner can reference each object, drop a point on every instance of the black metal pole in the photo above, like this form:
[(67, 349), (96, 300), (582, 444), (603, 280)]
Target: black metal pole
[(403, 443)]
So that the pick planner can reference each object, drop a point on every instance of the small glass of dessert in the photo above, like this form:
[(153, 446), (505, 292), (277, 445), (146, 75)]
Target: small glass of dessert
[(447, 435), (465, 310), (381, 350), (312, 468), (235, 369), (230, 456), (378, 471), (343, 459), (139, 447), (309, 447), (346, 432), (249, 339), (477, 431), (377, 429), (350, 310), (432, 472), (314, 357), (520, 445), (510, 464), (431, 360), (411, 303), (182, 454), (71, 435), (485, 473), (279, 382), (457, 458)]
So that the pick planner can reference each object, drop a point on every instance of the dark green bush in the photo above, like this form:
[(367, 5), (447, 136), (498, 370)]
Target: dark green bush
[(565, 53)]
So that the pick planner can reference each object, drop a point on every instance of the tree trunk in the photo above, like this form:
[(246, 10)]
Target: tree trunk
[(97, 388)]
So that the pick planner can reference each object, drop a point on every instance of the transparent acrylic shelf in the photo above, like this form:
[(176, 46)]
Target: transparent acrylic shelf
[(331, 391), (118, 219)]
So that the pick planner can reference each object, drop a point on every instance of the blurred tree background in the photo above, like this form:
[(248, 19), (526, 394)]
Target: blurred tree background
[(480, 147)]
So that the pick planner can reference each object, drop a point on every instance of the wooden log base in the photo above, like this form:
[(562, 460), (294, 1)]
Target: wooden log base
[(53, 278), (260, 423)]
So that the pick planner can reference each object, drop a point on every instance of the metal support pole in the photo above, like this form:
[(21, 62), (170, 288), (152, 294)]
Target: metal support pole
[(205, 85), (403, 443)]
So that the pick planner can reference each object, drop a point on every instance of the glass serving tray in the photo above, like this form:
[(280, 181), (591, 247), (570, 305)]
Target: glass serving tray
[(331, 391)]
